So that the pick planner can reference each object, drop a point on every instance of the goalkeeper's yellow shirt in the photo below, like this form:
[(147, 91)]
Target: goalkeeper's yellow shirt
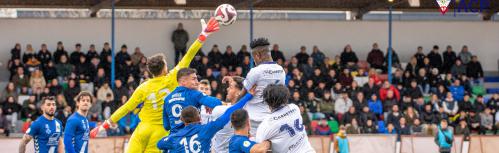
[(153, 91)]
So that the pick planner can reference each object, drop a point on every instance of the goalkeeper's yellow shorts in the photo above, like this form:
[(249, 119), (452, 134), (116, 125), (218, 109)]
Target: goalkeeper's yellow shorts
[(145, 138)]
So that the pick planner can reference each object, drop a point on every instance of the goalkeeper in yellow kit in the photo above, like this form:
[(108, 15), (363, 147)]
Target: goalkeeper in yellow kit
[(152, 93)]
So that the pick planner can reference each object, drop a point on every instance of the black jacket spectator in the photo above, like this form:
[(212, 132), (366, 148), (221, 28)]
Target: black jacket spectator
[(414, 92), (348, 56), (449, 59), (50, 72), (394, 118), (28, 55), (92, 53), (428, 117), (395, 59), (435, 58), (474, 69), (349, 116), (82, 69), (15, 53), (230, 59), (10, 106), (375, 57), (243, 52), (106, 51), (215, 58), (465, 105), (369, 129), (71, 92), (59, 52), (44, 56), (122, 56), (318, 56), (277, 54), (302, 56), (119, 90), (29, 109)]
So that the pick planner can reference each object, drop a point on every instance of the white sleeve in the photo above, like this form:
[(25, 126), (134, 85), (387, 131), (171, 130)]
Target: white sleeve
[(251, 79), (261, 133)]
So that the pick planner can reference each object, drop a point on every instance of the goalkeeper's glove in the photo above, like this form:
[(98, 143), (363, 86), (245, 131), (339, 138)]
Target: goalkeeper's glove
[(103, 127), (208, 28)]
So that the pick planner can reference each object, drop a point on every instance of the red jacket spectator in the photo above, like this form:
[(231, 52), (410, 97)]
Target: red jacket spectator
[(383, 91)]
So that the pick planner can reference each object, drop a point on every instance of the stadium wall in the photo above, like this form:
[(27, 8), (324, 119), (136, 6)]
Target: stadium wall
[(153, 36)]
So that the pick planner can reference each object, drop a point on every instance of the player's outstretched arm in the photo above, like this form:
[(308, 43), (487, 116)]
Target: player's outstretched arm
[(260, 147), (220, 122), (206, 100), (24, 141)]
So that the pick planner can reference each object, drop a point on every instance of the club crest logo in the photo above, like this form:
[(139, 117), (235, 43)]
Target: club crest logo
[(443, 4)]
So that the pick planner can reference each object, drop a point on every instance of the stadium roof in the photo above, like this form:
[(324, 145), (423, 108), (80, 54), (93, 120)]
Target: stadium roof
[(359, 7)]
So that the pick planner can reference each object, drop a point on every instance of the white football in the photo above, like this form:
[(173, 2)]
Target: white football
[(226, 14)]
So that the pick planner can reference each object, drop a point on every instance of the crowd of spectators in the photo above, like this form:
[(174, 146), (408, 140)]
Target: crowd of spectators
[(343, 89)]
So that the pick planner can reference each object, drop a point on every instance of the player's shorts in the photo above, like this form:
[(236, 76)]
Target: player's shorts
[(254, 126), (145, 138)]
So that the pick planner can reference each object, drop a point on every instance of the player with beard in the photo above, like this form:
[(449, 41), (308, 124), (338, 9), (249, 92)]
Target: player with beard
[(284, 126), (45, 130), (76, 133)]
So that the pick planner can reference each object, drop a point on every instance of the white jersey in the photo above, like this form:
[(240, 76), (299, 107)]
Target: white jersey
[(205, 117), (285, 129), (220, 142), (262, 75)]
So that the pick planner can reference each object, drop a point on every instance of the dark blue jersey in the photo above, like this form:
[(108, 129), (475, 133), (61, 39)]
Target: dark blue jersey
[(46, 134), (196, 137), (180, 98)]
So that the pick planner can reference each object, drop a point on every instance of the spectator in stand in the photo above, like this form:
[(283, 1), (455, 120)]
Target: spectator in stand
[(349, 116), (103, 91), (37, 81), (423, 81), (229, 59), (414, 91), (427, 116), (119, 90), (462, 128), (293, 64), (322, 128), (466, 105), (375, 105), (450, 105), (390, 129), (215, 58), (369, 128), (95, 111), (92, 53), (28, 54), (348, 57), (353, 127), (106, 51), (59, 51), (384, 91), (82, 69), (420, 56), (435, 58), (317, 55), (326, 106), (302, 56), (479, 104), (29, 109), (44, 55), (474, 71), (444, 137), (15, 53), (474, 121), (64, 68), (55, 88), (407, 102), (410, 115), (4, 124), (108, 106), (412, 66), (375, 57), (142, 65), (417, 128), (93, 68), (403, 128), (64, 114), (71, 92), (243, 52), (493, 103), (295, 99), (457, 90), (395, 59), (122, 56), (308, 87), (313, 108), (180, 37), (129, 70), (20, 79), (50, 72), (371, 88), (394, 116), (366, 115), (277, 54), (137, 56), (74, 57), (32, 65), (16, 63), (10, 91), (342, 104), (486, 121), (11, 110), (346, 78), (308, 68), (465, 55), (61, 102), (449, 59), (359, 101)]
